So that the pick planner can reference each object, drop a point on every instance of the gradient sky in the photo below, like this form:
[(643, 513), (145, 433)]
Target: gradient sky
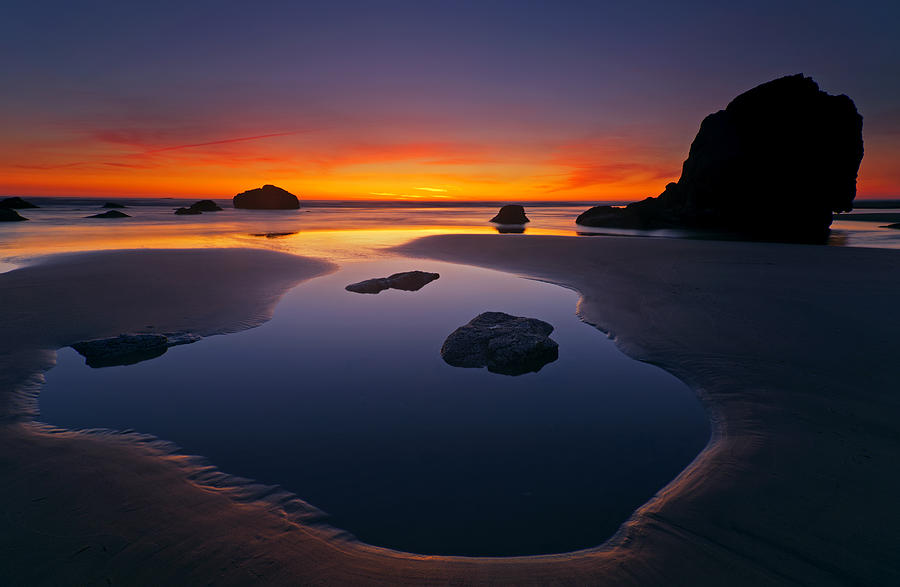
[(429, 100)]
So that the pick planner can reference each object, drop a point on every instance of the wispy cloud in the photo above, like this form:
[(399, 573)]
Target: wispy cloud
[(431, 189)]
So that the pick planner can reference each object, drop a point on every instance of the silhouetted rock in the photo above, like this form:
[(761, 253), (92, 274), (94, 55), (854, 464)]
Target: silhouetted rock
[(199, 208), (510, 214), (894, 225), (505, 344), (775, 164), (110, 214), (268, 197), (113, 205), (16, 202), (10, 215), (273, 234), (125, 349), (128, 349), (206, 206), (406, 281)]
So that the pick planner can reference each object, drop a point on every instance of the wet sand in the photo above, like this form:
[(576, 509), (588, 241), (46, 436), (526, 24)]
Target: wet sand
[(788, 346)]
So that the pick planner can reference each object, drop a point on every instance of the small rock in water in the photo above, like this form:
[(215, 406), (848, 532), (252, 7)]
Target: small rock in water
[(113, 205), (511, 214), (406, 281), (505, 344), (187, 211), (125, 349), (10, 215), (110, 214), (16, 202)]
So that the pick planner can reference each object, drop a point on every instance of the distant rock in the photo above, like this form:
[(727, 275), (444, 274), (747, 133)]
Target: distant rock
[(273, 234), (511, 214), (110, 214), (510, 228), (775, 164), (125, 349), (894, 225), (10, 215), (268, 197), (206, 206), (505, 344), (406, 281), (128, 349), (16, 202), (199, 208), (113, 205)]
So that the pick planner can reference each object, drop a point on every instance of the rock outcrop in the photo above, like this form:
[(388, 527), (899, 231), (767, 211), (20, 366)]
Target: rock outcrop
[(505, 344), (511, 214), (774, 164), (406, 281), (10, 215), (268, 197), (110, 214), (16, 202), (128, 349), (199, 207)]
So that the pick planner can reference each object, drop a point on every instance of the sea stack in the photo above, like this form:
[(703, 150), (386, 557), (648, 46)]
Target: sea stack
[(10, 215), (510, 214), (268, 197), (17, 203), (774, 164)]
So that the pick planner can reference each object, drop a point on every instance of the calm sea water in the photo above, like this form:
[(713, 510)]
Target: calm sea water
[(335, 230), (344, 399)]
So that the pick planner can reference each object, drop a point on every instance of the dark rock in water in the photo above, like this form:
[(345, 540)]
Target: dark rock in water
[(125, 349), (10, 215), (113, 205), (128, 349), (509, 345), (206, 206), (406, 281), (510, 228), (198, 208), (268, 197), (110, 214), (775, 164), (16, 202), (511, 214), (273, 234), (894, 225)]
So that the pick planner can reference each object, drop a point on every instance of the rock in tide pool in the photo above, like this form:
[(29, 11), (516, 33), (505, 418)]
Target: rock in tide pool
[(16, 202), (10, 215), (505, 344), (110, 214), (774, 164), (406, 281), (511, 214), (128, 349), (268, 197), (125, 349)]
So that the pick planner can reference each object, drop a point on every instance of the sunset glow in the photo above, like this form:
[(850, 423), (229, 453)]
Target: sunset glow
[(199, 102)]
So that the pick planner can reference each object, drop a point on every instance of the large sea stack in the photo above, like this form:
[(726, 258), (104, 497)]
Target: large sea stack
[(775, 164), (268, 197)]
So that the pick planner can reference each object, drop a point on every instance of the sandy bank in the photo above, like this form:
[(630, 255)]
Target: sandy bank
[(790, 347)]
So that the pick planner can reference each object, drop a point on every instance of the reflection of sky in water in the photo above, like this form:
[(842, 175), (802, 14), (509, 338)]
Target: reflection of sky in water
[(343, 398), (334, 232)]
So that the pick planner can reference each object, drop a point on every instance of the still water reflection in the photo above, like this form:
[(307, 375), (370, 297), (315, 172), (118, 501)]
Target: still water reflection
[(344, 399)]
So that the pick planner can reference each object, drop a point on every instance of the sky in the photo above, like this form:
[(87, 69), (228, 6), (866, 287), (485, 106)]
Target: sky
[(418, 100)]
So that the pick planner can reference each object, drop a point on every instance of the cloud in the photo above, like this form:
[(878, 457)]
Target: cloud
[(431, 189)]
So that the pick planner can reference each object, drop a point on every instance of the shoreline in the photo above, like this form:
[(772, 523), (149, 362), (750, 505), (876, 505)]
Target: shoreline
[(690, 533)]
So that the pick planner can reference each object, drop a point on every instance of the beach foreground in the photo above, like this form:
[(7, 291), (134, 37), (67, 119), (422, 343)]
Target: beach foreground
[(788, 346)]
